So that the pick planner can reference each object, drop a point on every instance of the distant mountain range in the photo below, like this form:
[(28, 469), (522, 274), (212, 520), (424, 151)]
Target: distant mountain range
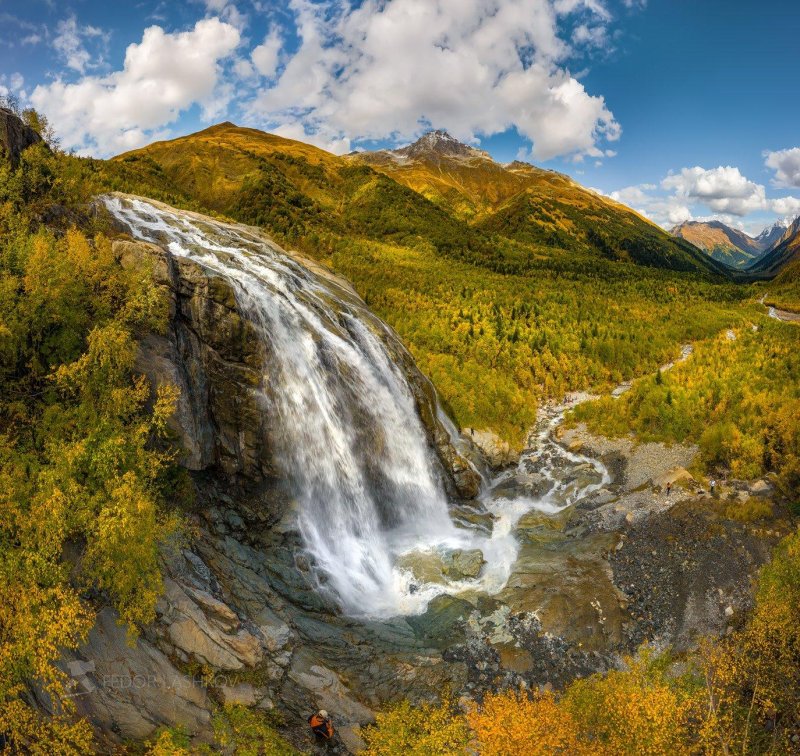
[(437, 189), (729, 245), (783, 252)]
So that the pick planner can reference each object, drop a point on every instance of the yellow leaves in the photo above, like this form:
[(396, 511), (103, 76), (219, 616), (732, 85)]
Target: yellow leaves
[(123, 551), (164, 408), (31, 733), (427, 729), (635, 711)]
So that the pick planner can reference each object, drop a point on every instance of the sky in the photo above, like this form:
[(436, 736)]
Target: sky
[(682, 109)]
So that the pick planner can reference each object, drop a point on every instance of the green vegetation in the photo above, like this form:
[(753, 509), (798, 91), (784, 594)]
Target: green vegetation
[(238, 731), (497, 318), (783, 291), (739, 399), (495, 345), (501, 313), (85, 467)]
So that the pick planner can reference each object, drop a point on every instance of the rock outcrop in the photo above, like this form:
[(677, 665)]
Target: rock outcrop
[(15, 136)]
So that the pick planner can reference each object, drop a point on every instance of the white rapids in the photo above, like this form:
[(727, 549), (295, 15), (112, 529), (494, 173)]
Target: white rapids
[(347, 434)]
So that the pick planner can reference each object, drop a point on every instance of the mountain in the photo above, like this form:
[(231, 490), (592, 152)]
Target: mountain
[(785, 251), (534, 206), (772, 234), (436, 190), (723, 243)]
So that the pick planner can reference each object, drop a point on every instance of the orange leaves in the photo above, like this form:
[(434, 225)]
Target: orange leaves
[(515, 724)]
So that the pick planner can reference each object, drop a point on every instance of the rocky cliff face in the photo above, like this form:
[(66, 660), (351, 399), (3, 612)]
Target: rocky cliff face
[(15, 136)]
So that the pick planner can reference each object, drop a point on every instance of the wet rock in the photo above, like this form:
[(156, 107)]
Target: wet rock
[(497, 452), (442, 624), (568, 586), (425, 566), (542, 528), (463, 564)]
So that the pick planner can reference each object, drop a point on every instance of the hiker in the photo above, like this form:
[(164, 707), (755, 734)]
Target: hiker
[(669, 488), (713, 486), (321, 726)]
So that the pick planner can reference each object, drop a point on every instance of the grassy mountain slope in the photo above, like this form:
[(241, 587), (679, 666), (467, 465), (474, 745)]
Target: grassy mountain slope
[(498, 317), (723, 243), (783, 254), (542, 209)]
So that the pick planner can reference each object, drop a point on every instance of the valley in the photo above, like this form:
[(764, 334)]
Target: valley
[(402, 435)]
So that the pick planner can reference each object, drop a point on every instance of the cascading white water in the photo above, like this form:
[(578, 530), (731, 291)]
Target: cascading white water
[(347, 433)]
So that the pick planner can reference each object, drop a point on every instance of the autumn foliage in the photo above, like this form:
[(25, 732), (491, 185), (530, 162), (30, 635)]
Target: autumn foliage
[(84, 463)]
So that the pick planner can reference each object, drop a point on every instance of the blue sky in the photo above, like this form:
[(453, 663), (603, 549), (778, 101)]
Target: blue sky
[(682, 109)]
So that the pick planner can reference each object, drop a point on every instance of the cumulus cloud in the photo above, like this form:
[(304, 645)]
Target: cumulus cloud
[(786, 164), (228, 12), (266, 55), (475, 67), (70, 43), (686, 194), (667, 211), (723, 189), (161, 76), (788, 207)]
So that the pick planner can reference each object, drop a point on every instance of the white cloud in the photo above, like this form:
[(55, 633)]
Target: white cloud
[(243, 68), (475, 67), (265, 57), (69, 43), (723, 189), (161, 76), (228, 12), (786, 164), (788, 207), (667, 211)]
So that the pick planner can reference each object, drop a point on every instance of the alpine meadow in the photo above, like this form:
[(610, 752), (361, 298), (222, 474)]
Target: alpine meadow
[(399, 378)]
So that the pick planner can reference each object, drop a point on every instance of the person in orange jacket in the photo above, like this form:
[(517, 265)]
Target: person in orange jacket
[(321, 726)]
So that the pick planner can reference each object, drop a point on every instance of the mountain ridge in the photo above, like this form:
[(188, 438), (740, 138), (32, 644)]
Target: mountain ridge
[(783, 253), (450, 193), (727, 245)]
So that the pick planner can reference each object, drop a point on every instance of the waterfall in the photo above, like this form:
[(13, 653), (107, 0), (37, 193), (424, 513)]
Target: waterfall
[(346, 431), (348, 437)]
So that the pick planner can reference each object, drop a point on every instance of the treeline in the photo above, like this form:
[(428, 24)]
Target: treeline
[(495, 345)]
